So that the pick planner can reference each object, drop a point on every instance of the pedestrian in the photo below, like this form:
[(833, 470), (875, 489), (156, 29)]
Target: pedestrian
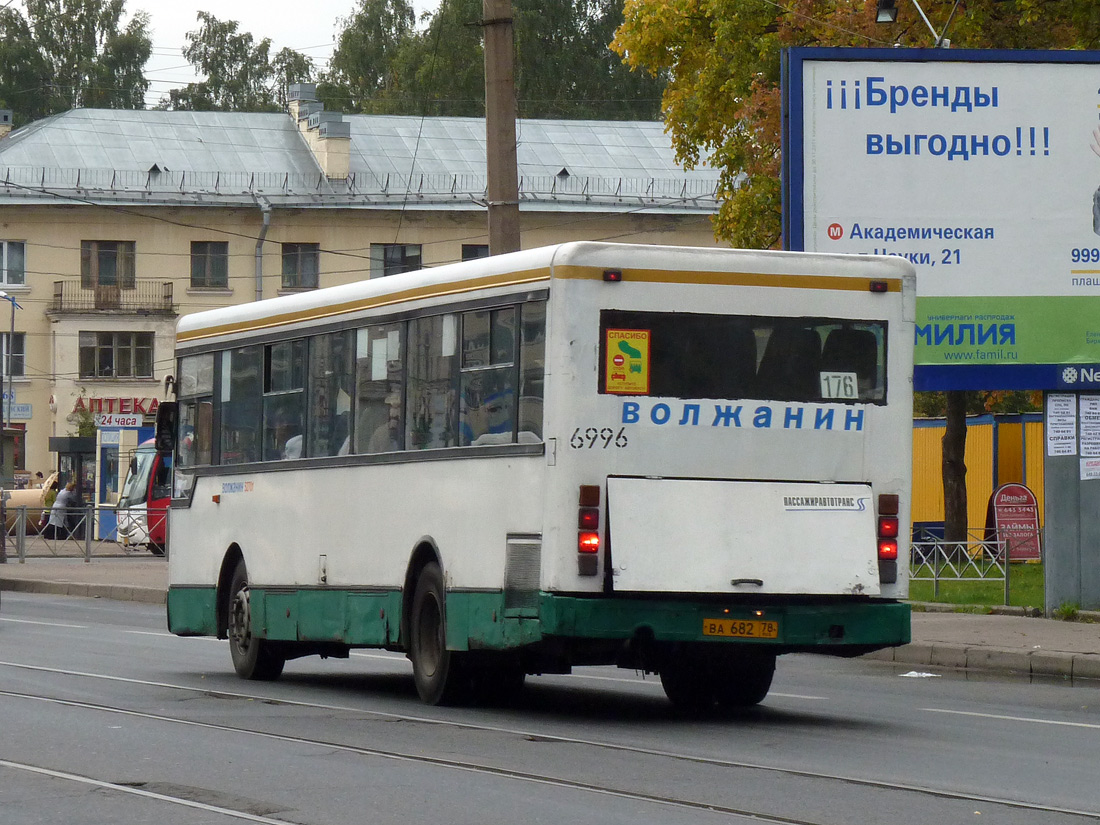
[(56, 527)]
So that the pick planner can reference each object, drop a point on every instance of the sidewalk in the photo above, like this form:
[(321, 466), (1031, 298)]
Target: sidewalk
[(1006, 643), (140, 577)]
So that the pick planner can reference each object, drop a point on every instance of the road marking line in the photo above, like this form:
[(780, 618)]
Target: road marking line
[(175, 800), (389, 657), (1006, 718), (44, 624)]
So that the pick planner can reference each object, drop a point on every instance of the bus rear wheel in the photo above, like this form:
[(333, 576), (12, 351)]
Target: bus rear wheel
[(746, 680), (437, 672), (698, 681), (253, 658)]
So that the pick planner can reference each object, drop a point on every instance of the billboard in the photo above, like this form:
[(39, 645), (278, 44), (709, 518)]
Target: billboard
[(980, 167)]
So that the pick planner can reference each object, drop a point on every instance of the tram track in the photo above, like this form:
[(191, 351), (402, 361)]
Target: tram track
[(500, 771)]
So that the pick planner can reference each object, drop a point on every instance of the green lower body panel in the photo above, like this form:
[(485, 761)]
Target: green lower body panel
[(192, 611), (480, 621), (371, 619), (816, 626)]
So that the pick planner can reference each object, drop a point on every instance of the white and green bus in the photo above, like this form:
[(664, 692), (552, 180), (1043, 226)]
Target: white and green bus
[(678, 460)]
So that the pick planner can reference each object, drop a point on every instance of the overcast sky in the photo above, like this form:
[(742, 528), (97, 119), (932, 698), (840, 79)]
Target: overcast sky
[(308, 27)]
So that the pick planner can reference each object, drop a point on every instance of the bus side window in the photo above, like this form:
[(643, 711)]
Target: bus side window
[(284, 400), (532, 358), (241, 404), (379, 381), (331, 384), (195, 388), (431, 418), (488, 392)]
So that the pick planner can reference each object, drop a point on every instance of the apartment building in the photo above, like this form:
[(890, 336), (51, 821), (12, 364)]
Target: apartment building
[(114, 223)]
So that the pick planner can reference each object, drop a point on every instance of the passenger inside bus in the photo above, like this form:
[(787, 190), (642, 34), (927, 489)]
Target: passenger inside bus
[(386, 437)]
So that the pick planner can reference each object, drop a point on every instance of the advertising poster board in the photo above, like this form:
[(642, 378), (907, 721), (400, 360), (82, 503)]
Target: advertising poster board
[(980, 167), (1014, 515)]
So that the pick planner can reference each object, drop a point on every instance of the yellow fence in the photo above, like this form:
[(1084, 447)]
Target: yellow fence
[(999, 450)]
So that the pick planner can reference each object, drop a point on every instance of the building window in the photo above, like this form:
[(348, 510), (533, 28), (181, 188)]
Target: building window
[(210, 264), (17, 355), (301, 265), (12, 267), (473, 251), (107, 264), (116, 355), (393, 258)]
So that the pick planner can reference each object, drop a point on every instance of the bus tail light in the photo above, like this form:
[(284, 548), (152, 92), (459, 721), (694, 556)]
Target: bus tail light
[(888, 530), (588, 525), (588, 543), (589, 518)]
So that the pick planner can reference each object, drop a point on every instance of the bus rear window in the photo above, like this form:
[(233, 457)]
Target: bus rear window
[(694, 355)]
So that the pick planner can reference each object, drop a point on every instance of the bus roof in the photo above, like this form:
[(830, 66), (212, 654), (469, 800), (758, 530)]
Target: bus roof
[(574, 260)]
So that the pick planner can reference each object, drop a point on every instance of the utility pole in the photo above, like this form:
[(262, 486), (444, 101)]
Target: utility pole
[(500, 127)]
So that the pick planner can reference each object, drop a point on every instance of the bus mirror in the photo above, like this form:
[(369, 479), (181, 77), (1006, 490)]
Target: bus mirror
[(133, 466), (167, 421)]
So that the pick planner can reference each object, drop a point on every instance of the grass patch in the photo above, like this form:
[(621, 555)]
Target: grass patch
[(1025, 590), (1066, 611)]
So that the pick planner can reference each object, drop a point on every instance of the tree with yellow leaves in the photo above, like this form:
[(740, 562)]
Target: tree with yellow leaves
[(722, 62)]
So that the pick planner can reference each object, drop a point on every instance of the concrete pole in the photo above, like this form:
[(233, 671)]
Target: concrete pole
[(500, 127)]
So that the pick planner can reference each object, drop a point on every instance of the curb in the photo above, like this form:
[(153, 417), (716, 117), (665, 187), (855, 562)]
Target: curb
[(1027, 663), (118, 592), (1092, 616)]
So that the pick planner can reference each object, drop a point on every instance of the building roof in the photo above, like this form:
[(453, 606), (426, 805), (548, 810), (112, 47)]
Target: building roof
[(230, 159)]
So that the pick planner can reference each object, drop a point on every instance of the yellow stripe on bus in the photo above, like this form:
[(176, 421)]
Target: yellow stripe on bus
[(788, 281), (516, 278), (318, 313)]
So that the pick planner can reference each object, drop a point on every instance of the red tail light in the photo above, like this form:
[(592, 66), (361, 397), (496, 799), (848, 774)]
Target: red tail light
[(588, 542), (889, 505), (588, 525)]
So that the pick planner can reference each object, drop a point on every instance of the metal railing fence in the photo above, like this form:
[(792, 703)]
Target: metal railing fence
[(27, 534), (978, 558)]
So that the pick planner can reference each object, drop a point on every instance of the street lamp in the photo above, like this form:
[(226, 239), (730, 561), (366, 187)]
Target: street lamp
[(887, 12), (5, 366)]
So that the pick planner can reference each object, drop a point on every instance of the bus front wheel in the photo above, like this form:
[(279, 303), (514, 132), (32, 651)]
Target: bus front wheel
[(253, 658), (436, 670)]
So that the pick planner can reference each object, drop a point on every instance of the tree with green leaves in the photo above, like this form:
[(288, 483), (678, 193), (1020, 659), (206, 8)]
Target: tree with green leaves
[(564, 67), (240, 74), (62, 54), (362, 64)]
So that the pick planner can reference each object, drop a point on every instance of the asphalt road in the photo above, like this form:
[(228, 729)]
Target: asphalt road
[(106, 718)]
